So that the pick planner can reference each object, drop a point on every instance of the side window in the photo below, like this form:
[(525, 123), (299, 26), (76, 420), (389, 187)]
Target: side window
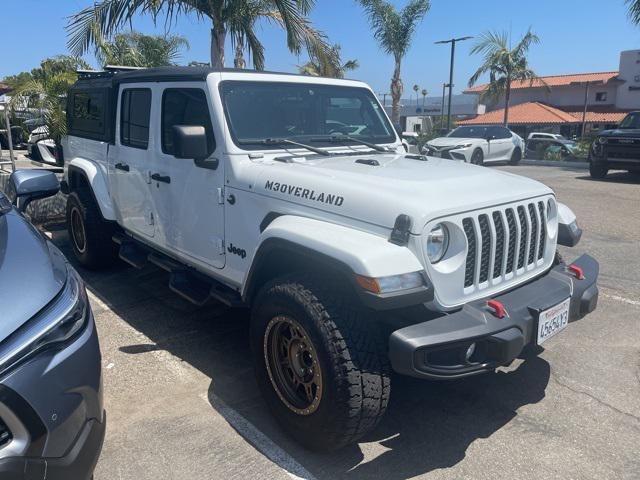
[(503, 132), (184, 106), (135, 109), (88, 113)]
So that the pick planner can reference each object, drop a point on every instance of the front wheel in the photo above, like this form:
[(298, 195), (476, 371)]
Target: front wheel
[(598, 170), (319, 362), (516, 156), (478, 157)]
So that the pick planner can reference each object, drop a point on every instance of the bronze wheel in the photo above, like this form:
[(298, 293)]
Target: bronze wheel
[(292, 364), (78, 234)]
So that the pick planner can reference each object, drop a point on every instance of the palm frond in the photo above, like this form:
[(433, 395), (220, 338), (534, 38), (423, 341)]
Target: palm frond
[(634, 10)]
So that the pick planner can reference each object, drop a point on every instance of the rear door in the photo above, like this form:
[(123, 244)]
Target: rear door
[(129, 158), (188, 197)]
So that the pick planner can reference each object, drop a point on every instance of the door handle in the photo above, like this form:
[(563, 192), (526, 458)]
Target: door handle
[(160, 178), (122, 166)]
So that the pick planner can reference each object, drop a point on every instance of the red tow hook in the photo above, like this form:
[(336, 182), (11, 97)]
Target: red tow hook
[(577, 271), (497, 306)]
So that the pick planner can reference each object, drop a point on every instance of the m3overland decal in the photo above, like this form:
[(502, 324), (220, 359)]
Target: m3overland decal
[(322, 197)]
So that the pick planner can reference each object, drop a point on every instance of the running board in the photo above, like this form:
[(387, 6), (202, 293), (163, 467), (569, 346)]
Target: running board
[(189, 284)]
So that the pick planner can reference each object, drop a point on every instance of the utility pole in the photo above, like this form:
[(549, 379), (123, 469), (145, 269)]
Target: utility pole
[(444, 87), (384, 98), (452, 41)]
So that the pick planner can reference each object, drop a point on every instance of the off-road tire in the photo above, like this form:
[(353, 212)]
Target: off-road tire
[(355, 371), (597, 170), (477, 157), (516, 156), (99, 249)]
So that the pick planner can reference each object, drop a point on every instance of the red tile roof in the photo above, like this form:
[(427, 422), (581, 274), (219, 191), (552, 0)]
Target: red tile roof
[(554, 81), (540, 113), (524, 113)]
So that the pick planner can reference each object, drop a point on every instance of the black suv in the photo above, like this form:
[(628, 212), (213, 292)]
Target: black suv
[(617, 149)]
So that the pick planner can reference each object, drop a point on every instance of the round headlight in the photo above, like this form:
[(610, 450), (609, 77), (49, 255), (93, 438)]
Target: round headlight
[(602, 140), (437, 243)]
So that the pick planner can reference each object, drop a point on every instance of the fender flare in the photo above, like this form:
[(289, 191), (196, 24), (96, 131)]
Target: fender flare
[(341, 248), (95, 178)]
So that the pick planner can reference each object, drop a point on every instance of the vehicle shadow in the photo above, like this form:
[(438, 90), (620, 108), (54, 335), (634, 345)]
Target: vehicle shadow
[(615, 177), (429, 425)]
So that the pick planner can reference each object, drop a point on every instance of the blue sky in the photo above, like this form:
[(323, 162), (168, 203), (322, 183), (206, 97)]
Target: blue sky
[(577, 36)]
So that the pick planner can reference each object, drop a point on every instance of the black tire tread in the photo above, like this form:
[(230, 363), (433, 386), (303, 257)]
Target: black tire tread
[(101, 250), (359, 362)]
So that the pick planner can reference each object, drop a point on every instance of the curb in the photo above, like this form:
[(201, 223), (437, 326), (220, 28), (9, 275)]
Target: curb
[(551, 163)]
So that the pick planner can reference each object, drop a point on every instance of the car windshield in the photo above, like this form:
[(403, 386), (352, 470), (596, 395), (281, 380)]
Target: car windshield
[(257, 111), (469, 132), (631, 121)]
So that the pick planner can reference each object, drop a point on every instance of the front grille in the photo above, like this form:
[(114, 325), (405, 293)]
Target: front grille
[(504, 241), (5, 434)]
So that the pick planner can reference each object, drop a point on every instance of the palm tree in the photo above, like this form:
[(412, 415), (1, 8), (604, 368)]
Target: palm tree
[(45, 88), (394, 30), (135, 49), (504, 65), (424, 97), (331, 66), (416, 88), (235, 18), (634, 10)]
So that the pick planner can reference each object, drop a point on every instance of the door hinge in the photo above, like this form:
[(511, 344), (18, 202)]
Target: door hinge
[(220, 196)]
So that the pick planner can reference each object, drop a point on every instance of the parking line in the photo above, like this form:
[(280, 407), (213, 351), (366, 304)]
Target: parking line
[(618, 298), (259, 440)]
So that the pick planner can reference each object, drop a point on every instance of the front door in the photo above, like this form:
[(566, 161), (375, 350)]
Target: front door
[(501, 144), (188, 198), (128, 160)]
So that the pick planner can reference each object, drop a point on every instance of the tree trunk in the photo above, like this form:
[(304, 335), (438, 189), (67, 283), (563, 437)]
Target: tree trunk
[(507, 98), (396, 93), (238, 60), (218, 36)]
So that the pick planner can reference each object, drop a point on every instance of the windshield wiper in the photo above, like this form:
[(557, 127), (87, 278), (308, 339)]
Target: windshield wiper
[(339, 137), (286, 141)]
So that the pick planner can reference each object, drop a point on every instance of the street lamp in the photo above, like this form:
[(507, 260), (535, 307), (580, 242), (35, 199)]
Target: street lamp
[(444, 87), (452, 41)]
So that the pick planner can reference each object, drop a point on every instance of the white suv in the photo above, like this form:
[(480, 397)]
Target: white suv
[(293, 196), (478, 144)]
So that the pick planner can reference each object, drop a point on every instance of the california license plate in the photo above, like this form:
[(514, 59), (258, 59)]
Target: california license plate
[(553, 321)]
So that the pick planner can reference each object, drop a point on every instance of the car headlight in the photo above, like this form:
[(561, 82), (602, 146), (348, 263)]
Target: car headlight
[(602, 140), (58, 322), (437, 243), (462, 145)]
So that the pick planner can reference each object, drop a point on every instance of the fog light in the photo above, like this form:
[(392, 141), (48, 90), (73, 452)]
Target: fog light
[(470, 351)]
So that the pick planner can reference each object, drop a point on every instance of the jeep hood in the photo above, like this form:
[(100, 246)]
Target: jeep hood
[(32, 272), (621, 132), (451, 141), (377, 188)]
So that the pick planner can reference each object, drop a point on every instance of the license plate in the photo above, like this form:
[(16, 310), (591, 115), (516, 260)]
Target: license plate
[(553, 321)]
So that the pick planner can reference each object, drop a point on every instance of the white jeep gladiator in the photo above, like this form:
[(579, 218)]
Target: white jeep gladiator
[(292, 196)]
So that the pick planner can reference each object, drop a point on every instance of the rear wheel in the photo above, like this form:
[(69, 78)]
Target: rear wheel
[(319, 361), (598, 170), (89, 234), (516, 156), (477, 158)]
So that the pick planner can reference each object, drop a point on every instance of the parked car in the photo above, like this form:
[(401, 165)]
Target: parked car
[(52, 422), (545, 135), (410, 142), (41, 148), (478, 144), (537, 147), (617, 149), (354, 256)]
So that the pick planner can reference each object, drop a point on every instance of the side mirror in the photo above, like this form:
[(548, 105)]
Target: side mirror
[(28, 185), (190, 141)]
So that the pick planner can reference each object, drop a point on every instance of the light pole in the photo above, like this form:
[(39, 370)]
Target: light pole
[(452, 41), (444, 87), (384, 98)]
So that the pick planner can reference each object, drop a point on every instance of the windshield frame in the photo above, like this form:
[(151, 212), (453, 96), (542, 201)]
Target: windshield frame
[(253, 145), (486, 127), (635, 120)]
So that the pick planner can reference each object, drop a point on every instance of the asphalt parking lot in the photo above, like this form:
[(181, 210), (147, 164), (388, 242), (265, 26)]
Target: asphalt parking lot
[(182, 402)]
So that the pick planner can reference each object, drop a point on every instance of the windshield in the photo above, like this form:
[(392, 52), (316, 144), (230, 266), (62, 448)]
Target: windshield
[(256, 111), (469, 132), (631, 121)]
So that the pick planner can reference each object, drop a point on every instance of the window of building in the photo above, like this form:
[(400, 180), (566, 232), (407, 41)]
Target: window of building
[(134, 117), (601, 96), (185, 106)]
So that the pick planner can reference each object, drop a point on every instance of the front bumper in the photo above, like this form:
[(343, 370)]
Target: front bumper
[(436, 349), (55, 402)]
